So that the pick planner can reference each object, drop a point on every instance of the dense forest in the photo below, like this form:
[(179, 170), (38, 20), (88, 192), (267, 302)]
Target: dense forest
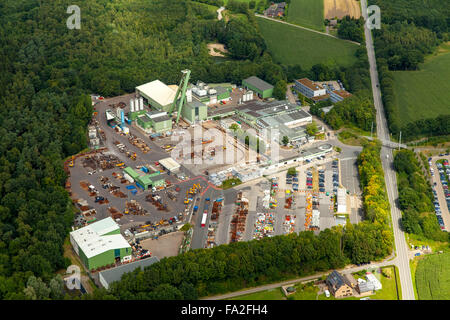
[(47, 72), (415, 198), (357, 110), (351, 29), (410, 30)]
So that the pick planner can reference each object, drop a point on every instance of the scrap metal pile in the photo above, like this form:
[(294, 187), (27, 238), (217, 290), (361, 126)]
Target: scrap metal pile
[(156, 200), (237, 226), (138, 142), (101, 160), (133, 207), (216, 209), (115, 214), (263, 226), (289, 223), (289, 199)]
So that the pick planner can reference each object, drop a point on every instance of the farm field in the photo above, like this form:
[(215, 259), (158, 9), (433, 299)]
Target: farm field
[(433, 277), (424, 93), (290, 45), (341, 8), (307, 13)]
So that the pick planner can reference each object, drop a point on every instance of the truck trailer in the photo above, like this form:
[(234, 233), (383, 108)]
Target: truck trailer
[(205, 216)]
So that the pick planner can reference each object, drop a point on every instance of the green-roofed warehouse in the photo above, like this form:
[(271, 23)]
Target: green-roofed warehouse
[(100, 244), (263, 89), (145, 180)]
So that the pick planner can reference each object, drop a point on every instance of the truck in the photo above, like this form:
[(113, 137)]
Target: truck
[(205, 216), (206, 204), (195, 209), (145, 169)]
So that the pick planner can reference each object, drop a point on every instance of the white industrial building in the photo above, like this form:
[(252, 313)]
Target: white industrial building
[(157, 94), (170, 165), (341, 200)]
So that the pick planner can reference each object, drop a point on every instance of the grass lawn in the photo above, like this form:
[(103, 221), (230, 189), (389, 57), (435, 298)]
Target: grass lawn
[(307, 13), (413, 266), (435, 246), (272, 294), (352, 136), (424, 93), (389, 285), (231, 183), (433, 277), (290, 45)]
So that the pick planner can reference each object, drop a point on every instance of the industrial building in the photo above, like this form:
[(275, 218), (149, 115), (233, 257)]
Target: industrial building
[(209, 93), (255, 111), (305, 154), (339, 95), (318, 92), (144, 180), (263, 89), (170, 165), (194, 111), (109, 276), (309, 89), (157, 94), (154, 121), (100, 244)]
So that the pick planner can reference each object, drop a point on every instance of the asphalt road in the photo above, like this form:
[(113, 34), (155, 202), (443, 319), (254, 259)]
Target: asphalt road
[(401, 261), (346, 270)]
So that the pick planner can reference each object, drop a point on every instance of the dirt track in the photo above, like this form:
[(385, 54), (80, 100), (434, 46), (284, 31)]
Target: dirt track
[(341, 8)]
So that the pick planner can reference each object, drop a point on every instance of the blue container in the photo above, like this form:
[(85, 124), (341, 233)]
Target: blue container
[(134, 191), (131, 187)]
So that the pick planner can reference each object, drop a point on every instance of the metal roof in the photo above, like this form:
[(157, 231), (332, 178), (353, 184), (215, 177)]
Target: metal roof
[(93, 241), (115, 274), (258, 83), (158, 91), (169, 164)]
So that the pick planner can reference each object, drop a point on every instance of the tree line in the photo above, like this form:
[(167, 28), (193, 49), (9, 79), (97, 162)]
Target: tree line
[(416, 198), (410, 30)]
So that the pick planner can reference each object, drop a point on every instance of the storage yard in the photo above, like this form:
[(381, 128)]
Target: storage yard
[(151, 182)]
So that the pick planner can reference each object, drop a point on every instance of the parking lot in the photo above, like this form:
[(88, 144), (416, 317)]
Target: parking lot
[(440, 175)]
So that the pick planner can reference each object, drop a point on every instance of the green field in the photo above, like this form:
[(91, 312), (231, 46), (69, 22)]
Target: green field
[(424, 93), (307, 13), (290, 45), (433, 277)]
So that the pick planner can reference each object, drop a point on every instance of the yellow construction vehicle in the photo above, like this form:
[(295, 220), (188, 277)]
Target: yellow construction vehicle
[(71, 161)]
